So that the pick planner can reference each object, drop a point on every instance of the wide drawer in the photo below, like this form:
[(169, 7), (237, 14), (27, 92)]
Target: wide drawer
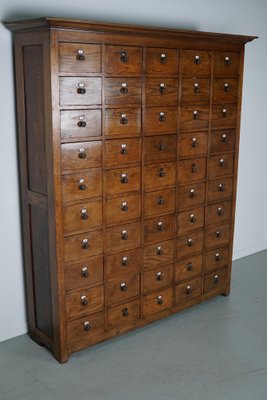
[(82, 217), (161, 61), (158, 254), (160, 148), (122, 151), (122, 180), (190, 195), (82, 186), (123, 60), (217, 235), (80, 247), (158, 176), (85, 302), (75, 91), (188, 290), (216, 282), (195, 91), (191, 170), (119, 290), (220, 189), (123, 91), (157, 302), (222, 140), (123, 314), (79, 58), (160, 228), (160, 120), (190, 244), (124, 122), (123, 208), (188, 268), (219, 165), (195, 63), (158, 278), (81, 155), (123, 265), (225, 90), (159, 203), (124, 237), (80, 124), (224, 115), (216, 258), (79, 274), (226, 63), (193, 144), (190, 220), (194, 118), (161, 91), (218, 213)]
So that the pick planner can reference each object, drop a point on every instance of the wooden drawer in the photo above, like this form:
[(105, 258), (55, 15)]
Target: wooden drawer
[(81, 155), (220, 189), (191, 170), (123, 208), (124, 122), (75, 91), (195, 91), (82, 217), (157, 302), (188, 268), (159, 202), (192, 144), (226, 64), (216, 258), (122, 180), (224, 115), (220, 165), (188, 290), (123, 265), (216, 282), (123, 91), (190, 195), (158, 176), (161, 61), (161, 91), (160, 148), (80, 124), (190, 244), (123, 60), (160, 120), (222, 140), (79, 274), (123, 314), (195, 63), (82, 186), (122, 151), (85, 302), (225, 90), (160, 228), (79, 58), (194, 118), (124, 237), (218, 213), (119, 290), (190, 220), (157, 278), (156, 255), (80, 247), (217, 236)]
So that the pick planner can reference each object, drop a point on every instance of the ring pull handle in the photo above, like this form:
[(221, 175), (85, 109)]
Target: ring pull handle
[(125, 312), (82, 153), (226, 87), (162, 117), (224, 138), (160, 200), (124, 234), (160, 226), (192, 218), (159, 251), (84, 300), (84, 272), (84, 214), (194, 142), (159, 276), (80, 55), (195, 114), (124, 119), (217, 257), (81, 121), (124, 150), (87, 326), (124, 178), (124, 206), (123, 287), (81, 185), (124, 88), (124, 56), (124, 261), (163, 58), (221, 187), (227, 60), (162, 88), (85, 244), (196, 88), (81, 88), (197, 60), (159, 300)]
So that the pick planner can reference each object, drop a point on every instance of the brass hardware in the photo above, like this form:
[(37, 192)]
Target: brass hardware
[(160, 226), (84, 300), (81, 123), (162, 116), (192, 218), (123, 119), (194, 142), (224, 112), (124, 88), (159, 251), (218, 234), (124, 56), (188, 289), (163, 58), (221, 162), (227, 60), (219, 211), (195, 114), (224, 137), (82, 153), (81, 88), (87, 326), (226, 87), (193, 168), (124, 234), (216, 278), (161, 173), (125, 312), (124, 178), (124, 149), (124, 261), (160, 300), (162, 88), (196, 88), (197, 60), (123, 287), (217, 257), (221, 187), (85, 244), (81, 185), (80, 55), (160, 200), (84, 272), (189, 266), (124, 206), (84, 214), (190, 242), (159, 276)]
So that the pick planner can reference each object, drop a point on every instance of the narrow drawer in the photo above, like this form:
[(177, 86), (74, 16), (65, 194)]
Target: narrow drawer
[(190, 244), (161, 61), (218, 213), (195, 91), (191, 170), (79, 274), (122, 180), (157, 278), (217, 236), (160, 120), (160, 228), (123, 208), (159, 176), (123, 265), (79, 58), (82, 246), (159, 203), (156, 255), (80, 124), (194, 118), (122, 151), (123, 314), (188, 290), (190, 195), (195, 63), (123, 60), (220, 165), (216, 282), (123, 90), (188, 268), (82, 217), (75, 91), (193, 144), (85, 302), (220, 189), (223, 115), (157, 302), (222, 140), (124, 122), (160, 148), (190, 220), (121, 290), (161, 91), (225, 90), (216, 258), (81, 155), (226, 63), (124, 237), (82, 186)]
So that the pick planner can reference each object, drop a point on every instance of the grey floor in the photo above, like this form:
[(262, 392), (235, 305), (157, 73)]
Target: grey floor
[(214, 351)]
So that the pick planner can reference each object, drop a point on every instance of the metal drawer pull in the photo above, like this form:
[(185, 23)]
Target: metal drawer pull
[(84, 214), (161, 173), (224, 138), (85, 244), (189, 266), (125, 312), (221, 162), (227, 60), (162, 117), (81, 185), (197, 60), (224, 112), (159, 251), (124, 206), (188, 289), (124, 261), (219, 211), (192, 218), (81, 88), (190, 242), (159, 276), (87, 326), (161, 147), (84, 300), (123, 287), (124, 149), (81, 123), (221, 187), (160, 200), (84, 272), (124, 88), (195, 114), (160, 226), (218, 234), (124, 178), (193, 168), (163, 58), (82, 153), (124, 56), (194, 142), (160, 300), (217, 257), (123, 119), (192, 193), (162, 88), (216, 278), (226, 87), (124, 234), (80, 55), (196, 88)]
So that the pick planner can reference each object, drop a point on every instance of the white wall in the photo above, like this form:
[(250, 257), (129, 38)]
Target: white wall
[(230, 16)]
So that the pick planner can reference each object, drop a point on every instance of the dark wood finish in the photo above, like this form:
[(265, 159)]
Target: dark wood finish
[(123, 90), (217, 235), (85, 302), (123, 314), (190, 195), (219, 189), (188, 268), (190, 220), (192, 170), (221, 68), (80, 124), (122, 208), (79, 91), (159, 176), (161, 91), (81, 155), (218, 213), (191, 67), (160, 228), (216, 258), (160, 148), (83, 216), (190, 244), (216, 282), (157, 302), (82, 186), (114, 126), (225, 90), (122, 180), (195, 91), (222, 140), (121, 289), (122, 151), (132, 64), (220, 165), (194, 117), (223, 115), (159, 203), (122, 265), (75, 249), (123, 237), (193, 144), (158, 254), (157, 278), (161, 61), (80, 57), (160, 120), (187, 290), (81, 274)]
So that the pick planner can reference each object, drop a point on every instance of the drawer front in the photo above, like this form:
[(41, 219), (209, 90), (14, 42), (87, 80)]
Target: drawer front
[(195, 63), (216, 282), (123, 60), (160, 61), (80, 247), (157, 302), (193, 144), (123, 314), (188, 268), (160, 148), (124, 122), (188, 290), (190, 244), (190, 220), (225, 90), (157, 278), (190, 195), (162, 91), (218, 213), (226, 64), (82, 217), (124, 237), (80, 124), (223, 115), (85, 302), (82, 186), (160, 228), (123, 265), (192, 170), (220, 189), (75, 91), (156, 255), (122, 151), (123, 90), (159, 120), (122, 180), (79, 58), (122, 209), (222, 164), (195, 91), (120, 290), (194, 118), (217, 236), (158, 176), (222, 140), (81, 155), (159, 202), (216, 258), (79, 274)]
